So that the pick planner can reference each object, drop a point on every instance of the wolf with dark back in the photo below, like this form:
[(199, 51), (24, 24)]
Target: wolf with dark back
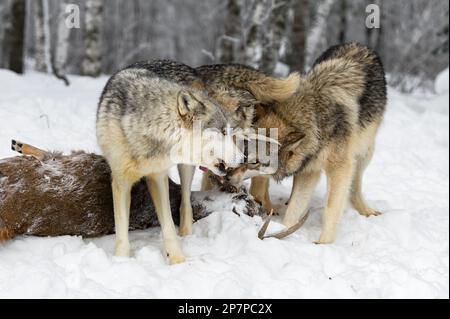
[(330, 125)]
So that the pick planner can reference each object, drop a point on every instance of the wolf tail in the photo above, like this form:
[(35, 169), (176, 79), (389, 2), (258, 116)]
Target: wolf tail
[(264, 87), (271, 89)]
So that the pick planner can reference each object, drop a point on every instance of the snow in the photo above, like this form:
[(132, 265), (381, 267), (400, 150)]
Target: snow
[(403, 253), (441, 85)]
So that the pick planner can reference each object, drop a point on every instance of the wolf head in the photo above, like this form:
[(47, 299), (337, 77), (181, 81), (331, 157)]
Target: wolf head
[(207, 135), (195, 106), (238, 104)]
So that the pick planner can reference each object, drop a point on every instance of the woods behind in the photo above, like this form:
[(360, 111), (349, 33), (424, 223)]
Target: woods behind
[(272, 35)]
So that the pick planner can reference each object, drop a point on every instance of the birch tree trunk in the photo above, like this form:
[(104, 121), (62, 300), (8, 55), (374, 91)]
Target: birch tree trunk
[(16, 39), (296, 56), (274, 35), (62, 45), (5, 27), (316, 36), (252, 46), (230, 41), (47, 36), (92, 60), (40, 64)]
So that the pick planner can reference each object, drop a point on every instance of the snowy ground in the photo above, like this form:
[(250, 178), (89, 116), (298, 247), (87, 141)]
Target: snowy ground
[(403, 253)]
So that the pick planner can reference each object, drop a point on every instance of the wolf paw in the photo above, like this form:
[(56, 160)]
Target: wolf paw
[(326, 238), (369, 213), (185, 230), (176, 258), (122, 251)]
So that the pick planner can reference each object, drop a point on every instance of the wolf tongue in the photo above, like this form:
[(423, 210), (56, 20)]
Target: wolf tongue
[(203, 169)]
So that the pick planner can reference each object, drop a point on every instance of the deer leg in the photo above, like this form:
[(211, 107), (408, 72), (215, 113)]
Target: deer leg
[(27, 149)]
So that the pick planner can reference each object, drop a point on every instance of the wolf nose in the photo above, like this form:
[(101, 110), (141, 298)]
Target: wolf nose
[(221, 166)]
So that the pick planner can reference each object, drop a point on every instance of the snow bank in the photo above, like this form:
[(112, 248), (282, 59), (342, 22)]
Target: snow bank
[(442, 82), (403, 253)]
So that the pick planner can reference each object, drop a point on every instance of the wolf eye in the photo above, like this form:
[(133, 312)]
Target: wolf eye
[(254, 165)]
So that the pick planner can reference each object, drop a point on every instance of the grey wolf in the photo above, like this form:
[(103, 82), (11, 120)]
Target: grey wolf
[(329, 124), (141, 116)]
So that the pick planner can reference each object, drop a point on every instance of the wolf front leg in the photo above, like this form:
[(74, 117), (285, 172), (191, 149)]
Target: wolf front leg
[(302, 191), (158, 185), (186, 217), (339, 180), (121, 188)]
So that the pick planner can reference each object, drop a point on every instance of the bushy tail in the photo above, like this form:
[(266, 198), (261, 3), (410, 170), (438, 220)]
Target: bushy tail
[(271, 89), (265, 88)]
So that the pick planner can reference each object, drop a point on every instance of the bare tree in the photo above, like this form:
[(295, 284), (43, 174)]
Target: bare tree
[(39, 54), (274, 36), (62, 45), (343, 22), (255, 15), (296, 56), (316, 40), (230, 40), (5, 27), (16, 39), (91, 64), (43, 36)]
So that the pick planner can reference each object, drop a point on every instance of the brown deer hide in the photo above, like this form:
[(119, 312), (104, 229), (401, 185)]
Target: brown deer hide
[(71, 195)]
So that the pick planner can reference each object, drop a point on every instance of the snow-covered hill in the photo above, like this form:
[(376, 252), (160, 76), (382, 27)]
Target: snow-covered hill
[(402, 253)]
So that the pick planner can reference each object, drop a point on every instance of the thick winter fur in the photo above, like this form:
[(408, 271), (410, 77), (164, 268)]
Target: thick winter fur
[(265, 88), (330, 124), (141, 114), (244, 82), (50, 194), (238, 102)]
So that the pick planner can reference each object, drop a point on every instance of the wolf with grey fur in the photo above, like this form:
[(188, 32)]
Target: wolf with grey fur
[(141, 116)]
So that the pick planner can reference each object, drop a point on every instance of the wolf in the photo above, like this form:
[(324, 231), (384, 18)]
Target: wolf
[(143, 113), (329, 124)]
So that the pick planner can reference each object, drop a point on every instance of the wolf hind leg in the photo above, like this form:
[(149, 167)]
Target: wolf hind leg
[(158, 185), (186, 216), (357, 198)]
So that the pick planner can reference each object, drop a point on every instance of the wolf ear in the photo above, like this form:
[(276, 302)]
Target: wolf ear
[(185, 103), (293, 140)]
